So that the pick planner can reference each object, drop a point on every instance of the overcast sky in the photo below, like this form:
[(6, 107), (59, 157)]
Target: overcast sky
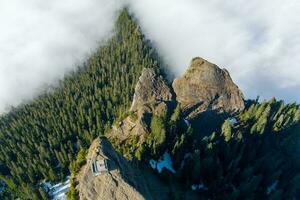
[(258, 41)]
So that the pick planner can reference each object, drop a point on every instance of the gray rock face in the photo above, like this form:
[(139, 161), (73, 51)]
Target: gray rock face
[(111, 185), (152, 97), (150, 89), (204, 87), (123, 180)]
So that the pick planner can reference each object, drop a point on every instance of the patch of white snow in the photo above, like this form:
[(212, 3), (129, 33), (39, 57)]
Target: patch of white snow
[(272, 187), (164, 162), (2, 187), (186, 122), (194, 187), (232, 121), (153, 163), (57, 191), (200, 186), (186, 156)]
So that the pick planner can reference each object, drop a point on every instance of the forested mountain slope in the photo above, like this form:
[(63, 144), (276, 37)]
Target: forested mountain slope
[(219, 146), (252, 154), (38, 140)]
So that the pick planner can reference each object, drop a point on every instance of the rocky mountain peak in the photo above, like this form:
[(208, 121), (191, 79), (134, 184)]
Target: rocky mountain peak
[(152, 96), (150, 88), (204, 87)]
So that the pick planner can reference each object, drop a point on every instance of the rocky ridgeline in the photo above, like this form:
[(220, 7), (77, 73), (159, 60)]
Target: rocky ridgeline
[(112, 184), (204, 87), (123, 180)]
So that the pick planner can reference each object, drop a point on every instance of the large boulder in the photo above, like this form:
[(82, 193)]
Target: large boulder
[(206, 87)]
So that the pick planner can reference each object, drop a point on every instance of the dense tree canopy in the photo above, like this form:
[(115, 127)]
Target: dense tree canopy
[(38, 140), (255, 158)]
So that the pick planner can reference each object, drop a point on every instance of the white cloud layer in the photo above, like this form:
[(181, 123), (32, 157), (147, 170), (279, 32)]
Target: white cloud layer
[(40, 41), (258, 41)]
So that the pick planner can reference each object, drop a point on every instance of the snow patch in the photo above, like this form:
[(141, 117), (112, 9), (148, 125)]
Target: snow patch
[(186, 156), (206, 138), (153, 163), (57, 191), (164, 162), (232, 121), (2, 187), (198, 187), (272, 187), (194, 187), (186, 122)]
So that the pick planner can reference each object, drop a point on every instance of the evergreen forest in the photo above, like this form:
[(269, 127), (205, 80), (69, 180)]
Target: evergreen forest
[(39, 140), (253, 154)]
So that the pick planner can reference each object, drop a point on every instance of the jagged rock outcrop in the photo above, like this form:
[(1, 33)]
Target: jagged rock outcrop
[(122, 181), (152, 97), (206, 87), (151, 90)]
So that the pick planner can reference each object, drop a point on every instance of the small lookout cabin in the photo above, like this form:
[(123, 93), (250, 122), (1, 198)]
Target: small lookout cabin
[(99, 166)]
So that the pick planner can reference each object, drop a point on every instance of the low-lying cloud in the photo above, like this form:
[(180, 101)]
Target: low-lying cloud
[(257, 41), (40, 41)]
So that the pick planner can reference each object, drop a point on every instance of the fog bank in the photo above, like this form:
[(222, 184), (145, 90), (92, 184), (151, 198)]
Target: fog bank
[(41, 41), (258, 41)]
